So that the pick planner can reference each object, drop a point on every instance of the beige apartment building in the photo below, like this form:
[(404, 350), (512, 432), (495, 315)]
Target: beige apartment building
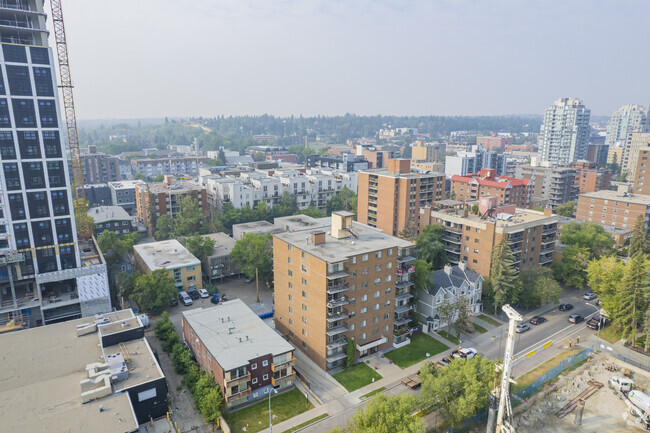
[(471, 238), (641, 179), (340, 282), (635, 141), (170, 255), (390, 198), (428, 152), (615, 208)]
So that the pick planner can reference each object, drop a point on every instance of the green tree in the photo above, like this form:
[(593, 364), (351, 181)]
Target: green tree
[(503, 277), (463, 317), (188, 220), (639, 242), (258, 156), (571, 269), (181, 358), (345, 199), (422, 275), (152, 292), (475, 209), (590, 236), (253, 252), (384, 414), (447, 313), (631, 302), (139, 176), (410, 231), (211, 405), (567, 209), (429, 246), (158, 178), (164, 227), (313, 212), (200, 246), (538, 286), (114, 247), (458, 390)]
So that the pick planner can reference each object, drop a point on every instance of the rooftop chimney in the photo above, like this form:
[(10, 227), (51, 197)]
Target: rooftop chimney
[(318, 237), (447, 269), (462, 266)]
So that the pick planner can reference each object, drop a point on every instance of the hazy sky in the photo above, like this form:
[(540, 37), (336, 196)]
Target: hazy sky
[(154, 58)]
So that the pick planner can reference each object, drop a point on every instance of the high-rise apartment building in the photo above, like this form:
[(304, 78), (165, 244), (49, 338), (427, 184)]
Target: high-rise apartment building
[(564, 135), (590, 178), (471, 238), (635, 141), (557, 185), (614, 208), (598, 153), (641, 180), (99, 167), (507, 190), (390, 198), (340, 282), (155, 199), (473, 161), (627, 119), (46, 274)]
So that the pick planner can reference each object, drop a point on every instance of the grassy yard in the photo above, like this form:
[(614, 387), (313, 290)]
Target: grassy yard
[(488, 319), (357, 376), (479, 328), (306, 423), (283, 406), (448, 336), (610, 334), (535, 374), (416, 351), (371, 393)]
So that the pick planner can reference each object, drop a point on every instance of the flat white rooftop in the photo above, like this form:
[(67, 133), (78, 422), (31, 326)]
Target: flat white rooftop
[(249, 336), (166, 254)]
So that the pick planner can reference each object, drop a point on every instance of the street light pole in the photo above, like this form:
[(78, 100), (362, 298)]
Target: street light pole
[(600, 323), (270, 420)]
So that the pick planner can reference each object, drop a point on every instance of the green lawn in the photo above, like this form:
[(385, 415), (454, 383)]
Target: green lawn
[(416, 351), (284, 406), (610, 334), (357, 376), (478, 328), (306, 423), (448, 336), (371, 393), (488, 319)]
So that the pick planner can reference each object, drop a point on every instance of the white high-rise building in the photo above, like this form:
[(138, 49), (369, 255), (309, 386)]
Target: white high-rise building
[(628, 118), (47, 275), (564, 135)]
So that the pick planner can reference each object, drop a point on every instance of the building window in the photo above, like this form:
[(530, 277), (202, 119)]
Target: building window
[(254, 366), (304, 333), (377, 281), (364, 285), (290, 310), (364, 298), (289, 260), (353, 274), (289, 247), (390, 252), (304, 281), (290, 321), (363, 336), (353, 301), (304, 320), (363, 324), (378, 255), (353, 260), (377, 268), (291, 273), (364, 310), (364, 271), (376, 307), (389, 278), (290, 286), (364, 258), (304, 294), (265, 363), (377, 294), (304, 307), (254, 381), (389, 265), (290, 297), (265, 377), (192, 278), (304, 269)]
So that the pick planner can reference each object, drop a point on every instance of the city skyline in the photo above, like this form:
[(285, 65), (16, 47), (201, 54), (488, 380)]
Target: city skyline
[(328, 58)]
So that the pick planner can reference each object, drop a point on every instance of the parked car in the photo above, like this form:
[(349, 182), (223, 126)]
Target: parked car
[(248, 280), (184, 298), (193, 293), (174, 301), (522, 327), (467, 353), (204, 293), (589, 296), (537, 320), (596, 322), (576, 318), (565, 307), (215, 298)]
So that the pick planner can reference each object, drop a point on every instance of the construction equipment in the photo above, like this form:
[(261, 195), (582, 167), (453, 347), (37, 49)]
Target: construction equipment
[(591, 389), (80, 205), (501, 391)]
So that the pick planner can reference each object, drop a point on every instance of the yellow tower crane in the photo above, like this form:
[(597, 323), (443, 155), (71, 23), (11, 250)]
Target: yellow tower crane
[(80, 206)]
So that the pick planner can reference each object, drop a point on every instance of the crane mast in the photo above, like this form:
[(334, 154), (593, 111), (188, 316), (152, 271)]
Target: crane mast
[(80, 206)]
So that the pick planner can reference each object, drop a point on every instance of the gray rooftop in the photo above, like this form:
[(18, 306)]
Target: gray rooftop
[(103, 214), (257, 338), (223, 244), (383, 171), (300, 222), (166, 254), (455, 278), (125, 184), (177, 187), (254, 225), (618, 196), (367, 239)]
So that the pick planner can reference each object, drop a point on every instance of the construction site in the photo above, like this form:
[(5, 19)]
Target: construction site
[(587, 399)]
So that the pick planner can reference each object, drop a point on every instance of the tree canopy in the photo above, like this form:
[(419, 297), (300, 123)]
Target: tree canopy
[(429, 246), (538, 286), (253, 252), (503, 277), (588, 235), (164, 227), (384, 414), (345, 199), (114, 247), (567, 209), (188, 220), (153, 292), (639, 242), (200, 246)]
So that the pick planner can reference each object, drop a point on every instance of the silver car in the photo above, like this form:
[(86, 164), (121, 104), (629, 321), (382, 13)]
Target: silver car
[(522, 327)]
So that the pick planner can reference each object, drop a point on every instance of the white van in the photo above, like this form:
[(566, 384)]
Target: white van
[(184, 298)]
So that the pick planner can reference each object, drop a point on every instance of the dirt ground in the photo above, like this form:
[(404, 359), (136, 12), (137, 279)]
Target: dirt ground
[(604, 410)]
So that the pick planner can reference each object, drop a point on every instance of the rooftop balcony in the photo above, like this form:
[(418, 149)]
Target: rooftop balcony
[(335, 331), (337, 302), (403, 309), (335, 288), (404, 284), (401, 320), (404, 296)]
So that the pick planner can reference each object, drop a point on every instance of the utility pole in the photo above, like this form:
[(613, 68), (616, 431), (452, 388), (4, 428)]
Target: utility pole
[(501, 392)]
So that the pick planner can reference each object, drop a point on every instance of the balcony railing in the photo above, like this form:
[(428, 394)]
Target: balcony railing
[(236, 380), (280, 381), (404, 284), (341, 341), (405, 270), (336, 357), (545, 260), (403, 309), (400, 321), (338, 302), (335, 317), (404, 296), (335, 331), (404, 259), (239, 394), (280, 365), (337, 288)]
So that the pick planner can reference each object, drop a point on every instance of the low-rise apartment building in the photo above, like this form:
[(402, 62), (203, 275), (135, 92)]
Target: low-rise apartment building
[(97, 194), (123, 193), (390, 198), (244, 355), (170, 255), (152, 167), (164, 198), (342, 281), (486, 183), (590, 178), (99, 167), (641, 179), (218, 263), (471, 238), (428, 152), (111, 218), (614, 208)]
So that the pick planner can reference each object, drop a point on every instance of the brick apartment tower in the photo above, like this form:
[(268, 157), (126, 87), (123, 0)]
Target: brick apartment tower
[(390, 198)]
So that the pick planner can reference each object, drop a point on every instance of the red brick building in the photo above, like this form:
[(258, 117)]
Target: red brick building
[(590, 178), (508, 190)]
